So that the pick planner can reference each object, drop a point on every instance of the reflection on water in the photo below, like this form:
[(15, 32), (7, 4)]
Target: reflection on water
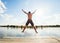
[(16, 32)]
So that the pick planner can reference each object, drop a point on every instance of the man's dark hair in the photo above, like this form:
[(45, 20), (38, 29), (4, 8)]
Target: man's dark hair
[(29, 12)]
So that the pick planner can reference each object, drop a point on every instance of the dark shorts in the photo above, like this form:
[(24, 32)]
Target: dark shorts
[(29, 21)]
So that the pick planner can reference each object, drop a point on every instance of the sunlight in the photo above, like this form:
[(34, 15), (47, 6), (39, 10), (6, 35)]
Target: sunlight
[(40, 13)]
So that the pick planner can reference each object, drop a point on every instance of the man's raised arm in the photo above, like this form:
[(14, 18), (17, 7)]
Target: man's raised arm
[(24, 11), (34, 12)]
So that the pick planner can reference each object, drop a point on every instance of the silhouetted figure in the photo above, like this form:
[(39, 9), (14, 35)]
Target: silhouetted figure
[(41, 27), (29, 14)]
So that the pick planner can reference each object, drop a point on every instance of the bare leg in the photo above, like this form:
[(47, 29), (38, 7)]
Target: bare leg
[(24, 28), (35, 29)]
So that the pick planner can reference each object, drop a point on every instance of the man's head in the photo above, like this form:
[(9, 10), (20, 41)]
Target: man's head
[(29, 12)]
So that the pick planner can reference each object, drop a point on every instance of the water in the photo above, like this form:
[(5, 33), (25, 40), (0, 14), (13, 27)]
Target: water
[(16, 32)]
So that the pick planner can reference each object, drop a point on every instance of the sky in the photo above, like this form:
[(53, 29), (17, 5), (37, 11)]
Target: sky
[(48, 12)]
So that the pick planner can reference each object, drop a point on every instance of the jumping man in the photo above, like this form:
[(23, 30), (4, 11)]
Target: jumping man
[(29, 14)]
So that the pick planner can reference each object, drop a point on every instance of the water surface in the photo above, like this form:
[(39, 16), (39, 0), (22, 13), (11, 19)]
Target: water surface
[(16, 32)]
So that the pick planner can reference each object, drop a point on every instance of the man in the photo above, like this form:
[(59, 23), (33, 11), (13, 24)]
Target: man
[(29, 14)]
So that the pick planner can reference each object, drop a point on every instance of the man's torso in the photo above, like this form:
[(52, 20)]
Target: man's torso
[(30, 16)]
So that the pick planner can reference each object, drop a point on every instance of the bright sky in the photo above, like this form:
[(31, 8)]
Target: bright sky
[(48, 12)]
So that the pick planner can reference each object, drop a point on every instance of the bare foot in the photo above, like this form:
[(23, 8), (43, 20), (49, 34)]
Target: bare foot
[(22, 31), (36, 31)]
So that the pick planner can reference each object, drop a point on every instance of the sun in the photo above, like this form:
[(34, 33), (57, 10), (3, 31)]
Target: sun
[(39, 12)]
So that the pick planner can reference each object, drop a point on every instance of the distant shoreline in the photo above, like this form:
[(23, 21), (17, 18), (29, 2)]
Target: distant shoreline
[(41, 26)]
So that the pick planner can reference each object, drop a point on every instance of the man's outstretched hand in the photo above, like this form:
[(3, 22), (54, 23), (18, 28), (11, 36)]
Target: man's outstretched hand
[(22, 9)]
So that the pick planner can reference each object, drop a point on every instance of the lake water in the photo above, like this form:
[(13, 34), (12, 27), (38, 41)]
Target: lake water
[(16, 32)]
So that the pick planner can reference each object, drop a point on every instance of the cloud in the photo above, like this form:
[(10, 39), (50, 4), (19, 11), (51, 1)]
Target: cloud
[(2, 7), (8, 19), (48, 19), (6, 16)]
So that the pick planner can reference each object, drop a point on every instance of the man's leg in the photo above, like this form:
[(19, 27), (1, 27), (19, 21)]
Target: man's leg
[(33, 26), (25, 26), (35, 29)]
